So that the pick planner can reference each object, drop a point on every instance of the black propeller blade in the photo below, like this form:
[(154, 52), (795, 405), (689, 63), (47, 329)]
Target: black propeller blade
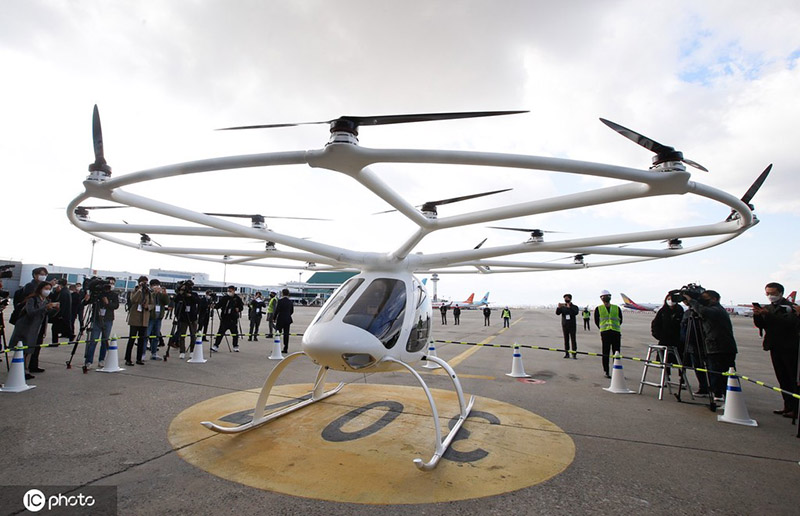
[(146, 240), (350, 124), (482, 242), (260, 217), (663, 152), (525, 230), (430, 206), (99, 164), (751, 192)]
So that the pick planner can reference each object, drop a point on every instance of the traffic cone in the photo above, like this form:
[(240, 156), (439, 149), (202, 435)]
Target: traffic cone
[(276, 349), (618, 379), (429, 364), (112, 358), (197, 353), (16, 374), (517, 370), (735, 410)]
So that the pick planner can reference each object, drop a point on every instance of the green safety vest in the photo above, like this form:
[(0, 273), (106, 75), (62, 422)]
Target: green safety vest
[(272, 304), (609, 321), (586, 314)]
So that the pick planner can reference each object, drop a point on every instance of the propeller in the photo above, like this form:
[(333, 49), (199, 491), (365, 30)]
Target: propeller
[(751, 192), (663, 152), (430, 206), (82, 212), (260, 218), (99, 164), (482, 242), (535, 233), (350, 124), (673, 243), (146, 240)]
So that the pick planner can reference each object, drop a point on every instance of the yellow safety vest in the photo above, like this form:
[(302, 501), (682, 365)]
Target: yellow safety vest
[(609, 321)]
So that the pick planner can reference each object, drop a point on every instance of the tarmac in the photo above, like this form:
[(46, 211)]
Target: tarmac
[(629, 454)]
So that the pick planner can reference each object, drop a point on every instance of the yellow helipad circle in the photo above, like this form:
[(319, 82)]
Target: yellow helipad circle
[(357, 446)]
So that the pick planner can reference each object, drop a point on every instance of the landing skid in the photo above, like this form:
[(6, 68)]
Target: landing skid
[(440, 446), (317, 394), (259, 418)]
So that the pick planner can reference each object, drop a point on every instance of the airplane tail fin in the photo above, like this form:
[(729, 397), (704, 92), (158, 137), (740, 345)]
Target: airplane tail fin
[(470, 298), (627, 299), (485, 298), (425, 281), (791, 296)]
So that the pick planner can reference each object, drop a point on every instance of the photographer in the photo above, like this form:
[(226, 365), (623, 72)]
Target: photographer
[(104, 302), (186, 307), (720, 346), (60, 322), (31, 318), (666, 327), (157, 311), (39, 276), (780, 323), (229, 307), (138, 318), (205, 306), (569, 324), (257, 306)]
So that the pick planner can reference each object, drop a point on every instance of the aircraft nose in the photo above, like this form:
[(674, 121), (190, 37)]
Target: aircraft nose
[(342, 346)]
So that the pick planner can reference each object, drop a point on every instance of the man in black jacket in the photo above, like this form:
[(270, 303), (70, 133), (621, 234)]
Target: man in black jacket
[(283, 317), (103, 306), (186, 308), (60, 322), (230, 307), (781, 323), (569, 314), (718, 339)]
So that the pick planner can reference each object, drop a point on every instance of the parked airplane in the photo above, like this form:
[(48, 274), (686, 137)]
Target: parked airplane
[(468, 304), (642, 307)]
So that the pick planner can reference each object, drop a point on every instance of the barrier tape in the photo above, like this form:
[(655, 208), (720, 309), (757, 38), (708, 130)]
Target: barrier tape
[(635, 359), (136, 337)]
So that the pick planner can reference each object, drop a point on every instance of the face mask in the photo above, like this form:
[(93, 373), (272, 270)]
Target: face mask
[(231, 293), (669, 302), (41, 277), (774, 299), (46, 292)]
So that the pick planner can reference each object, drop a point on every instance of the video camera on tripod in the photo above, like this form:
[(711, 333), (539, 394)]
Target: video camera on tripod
[(5, 272), (97, 288)]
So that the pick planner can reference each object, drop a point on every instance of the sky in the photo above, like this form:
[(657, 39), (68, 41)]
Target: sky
[(718, 80)]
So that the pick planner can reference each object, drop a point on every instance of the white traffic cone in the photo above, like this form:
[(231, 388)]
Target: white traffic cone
[(111, 364), (16, 374), (276, 349), (517, 370), (735, 410), (618, 379), (429, 364), (197, 353)]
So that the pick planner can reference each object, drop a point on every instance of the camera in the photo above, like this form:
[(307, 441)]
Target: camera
[(692, 290), (184, 287), (4, 295), (5, 272), (96, 287)]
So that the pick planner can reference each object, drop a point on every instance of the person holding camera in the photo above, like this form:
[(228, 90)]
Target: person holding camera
[(257, 307), (608, 318), (780, 323), (569, 324), (186, 309), (666, 328), (60, 322), (138, 318), (30, 320), (39, 276), (157, 312), (720, 345), (104, 302), (229, 307)]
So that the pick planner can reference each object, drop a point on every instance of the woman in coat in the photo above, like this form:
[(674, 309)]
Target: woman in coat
[(30, 322)]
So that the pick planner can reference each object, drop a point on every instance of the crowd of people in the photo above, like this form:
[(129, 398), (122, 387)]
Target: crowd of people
[(89, 310)]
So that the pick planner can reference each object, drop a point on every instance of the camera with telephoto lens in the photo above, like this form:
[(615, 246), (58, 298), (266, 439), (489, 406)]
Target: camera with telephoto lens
[(4, 295), (5, 271), (692, 290)]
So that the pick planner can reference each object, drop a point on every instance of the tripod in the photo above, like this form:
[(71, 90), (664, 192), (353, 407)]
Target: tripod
[(3, 341), (225, 335), (696, 354), (86, 326)]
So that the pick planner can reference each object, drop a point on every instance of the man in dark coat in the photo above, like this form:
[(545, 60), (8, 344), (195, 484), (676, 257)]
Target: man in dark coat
[(283, 317), (230, 306), (569, 314)]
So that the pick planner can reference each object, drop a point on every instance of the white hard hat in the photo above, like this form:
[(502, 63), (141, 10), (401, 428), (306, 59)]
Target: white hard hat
[(605, 293)]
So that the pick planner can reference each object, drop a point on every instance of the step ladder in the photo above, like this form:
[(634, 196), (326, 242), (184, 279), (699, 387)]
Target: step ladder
[(660, 354)]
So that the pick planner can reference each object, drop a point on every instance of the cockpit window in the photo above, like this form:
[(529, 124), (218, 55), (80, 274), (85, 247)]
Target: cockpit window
[(380, 310), (418, 338), (339, 299)]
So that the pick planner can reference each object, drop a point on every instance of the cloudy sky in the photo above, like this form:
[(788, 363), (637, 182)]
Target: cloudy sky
[(716, 79)]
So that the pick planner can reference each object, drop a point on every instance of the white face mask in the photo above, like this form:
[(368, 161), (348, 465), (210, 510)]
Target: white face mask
[(231, 293), (46, 292), (774, 299), (669, 302), (41, 277)]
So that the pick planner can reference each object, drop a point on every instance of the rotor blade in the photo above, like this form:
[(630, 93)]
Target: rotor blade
[(385, 119), (465, 197), (637, 138), (524, 229), (97, 135), (250, 216), (695, 164), (751, 192), (482, 242), (103, 207)]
